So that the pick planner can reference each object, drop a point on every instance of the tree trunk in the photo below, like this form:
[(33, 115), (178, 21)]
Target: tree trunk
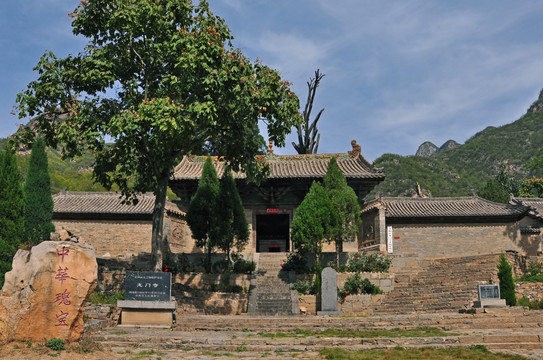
[(208, 259), (339, 250), (157, 239)]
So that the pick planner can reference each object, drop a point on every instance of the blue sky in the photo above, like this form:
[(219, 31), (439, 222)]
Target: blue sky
[(398, 73)]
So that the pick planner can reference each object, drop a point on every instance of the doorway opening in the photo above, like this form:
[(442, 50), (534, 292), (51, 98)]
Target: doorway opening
[(272, 233)]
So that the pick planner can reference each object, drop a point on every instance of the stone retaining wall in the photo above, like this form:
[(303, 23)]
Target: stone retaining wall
[(211, 303), (531, 290), (385, 281), (352, 305), (204, 281)]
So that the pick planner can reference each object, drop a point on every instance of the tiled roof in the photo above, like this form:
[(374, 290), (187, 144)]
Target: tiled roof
[(288, 167), (452, 207), (535, 204), (68, 202)]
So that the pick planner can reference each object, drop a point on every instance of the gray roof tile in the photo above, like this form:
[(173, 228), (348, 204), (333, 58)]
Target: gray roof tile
[(465, 207), (535, 204), (287, 167), (69, 202)]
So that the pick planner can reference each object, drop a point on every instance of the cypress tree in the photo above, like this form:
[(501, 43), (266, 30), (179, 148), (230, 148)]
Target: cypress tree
[(11, 210), (345, 203), (37, 196), (201, 213), (311, 225), (232, 224), (507, 285)]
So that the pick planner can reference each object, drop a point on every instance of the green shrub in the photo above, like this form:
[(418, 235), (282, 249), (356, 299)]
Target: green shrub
[(221, 266), (101, 298), (368, 262), (530, 278), (304, 287), (236, 289), (177, 264), (507, 285), (356, 285), (535, 267), (533, 305), (56, 344), (242, 266), (295, 262)]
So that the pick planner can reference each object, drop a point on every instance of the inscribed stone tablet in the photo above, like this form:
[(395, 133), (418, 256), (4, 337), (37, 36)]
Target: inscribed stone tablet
[(329, 290), (147, 286), (489, 291)]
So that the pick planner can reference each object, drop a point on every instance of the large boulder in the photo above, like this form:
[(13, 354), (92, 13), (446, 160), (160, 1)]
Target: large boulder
[(44, 293)]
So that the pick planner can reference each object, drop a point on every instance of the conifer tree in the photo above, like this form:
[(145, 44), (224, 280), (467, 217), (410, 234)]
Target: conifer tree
[(37, 196), (11, 210), (201, 214), (312, 223), (232, 224), (346, 207), (507, 285)]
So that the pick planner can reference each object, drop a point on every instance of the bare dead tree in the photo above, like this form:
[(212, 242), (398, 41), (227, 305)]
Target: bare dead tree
[(308, 136)]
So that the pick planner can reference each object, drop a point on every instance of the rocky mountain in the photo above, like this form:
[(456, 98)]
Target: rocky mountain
[(459, 170), (429, 149)]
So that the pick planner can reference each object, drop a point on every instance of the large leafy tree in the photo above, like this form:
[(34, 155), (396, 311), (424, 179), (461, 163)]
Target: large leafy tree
[(232, 224), (11, 210), (38, 202), (345, 204), (202, 216), (160, 79), (312, 222)]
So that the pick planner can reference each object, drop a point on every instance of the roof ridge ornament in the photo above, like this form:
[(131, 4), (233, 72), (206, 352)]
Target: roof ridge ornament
[(356, 151)]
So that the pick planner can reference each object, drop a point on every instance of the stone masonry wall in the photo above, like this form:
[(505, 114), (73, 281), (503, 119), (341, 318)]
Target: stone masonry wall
[(450, 240), (116, 238)]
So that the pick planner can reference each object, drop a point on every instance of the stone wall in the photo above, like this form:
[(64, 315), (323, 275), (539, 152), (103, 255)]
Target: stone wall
[(111, 238), (204, 281), (352, 305), (454, 240), (205, 302), (384, 280), (531, 290)]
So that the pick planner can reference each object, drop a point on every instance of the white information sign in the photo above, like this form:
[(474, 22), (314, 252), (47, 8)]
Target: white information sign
[(390, 240)]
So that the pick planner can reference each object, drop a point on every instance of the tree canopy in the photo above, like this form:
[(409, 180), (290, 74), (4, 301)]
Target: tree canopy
[(37, 196), (160, 79), (314, 219), (201, 214), (345, 204), (11, 210), (233, 227)]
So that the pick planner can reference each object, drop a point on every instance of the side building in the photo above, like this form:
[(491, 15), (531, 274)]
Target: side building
[(430, 228)]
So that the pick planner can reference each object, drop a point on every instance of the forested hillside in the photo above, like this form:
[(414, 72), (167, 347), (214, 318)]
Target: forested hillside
[(463, 170)]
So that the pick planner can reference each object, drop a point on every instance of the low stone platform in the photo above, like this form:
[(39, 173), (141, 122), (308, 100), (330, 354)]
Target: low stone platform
[(514, 330)]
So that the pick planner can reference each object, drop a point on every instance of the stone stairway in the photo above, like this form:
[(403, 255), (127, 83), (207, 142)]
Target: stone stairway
[(270, 292), (515, 330), (441, 284)]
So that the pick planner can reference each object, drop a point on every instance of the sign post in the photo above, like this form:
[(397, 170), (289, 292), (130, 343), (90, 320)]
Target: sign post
[(148, 299)]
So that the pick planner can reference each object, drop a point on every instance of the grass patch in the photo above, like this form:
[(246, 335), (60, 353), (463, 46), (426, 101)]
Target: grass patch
[(473, 353), (393, 333), (145, 353), (101, 298)]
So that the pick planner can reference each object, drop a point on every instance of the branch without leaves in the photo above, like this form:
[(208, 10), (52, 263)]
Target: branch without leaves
[(308, 136)]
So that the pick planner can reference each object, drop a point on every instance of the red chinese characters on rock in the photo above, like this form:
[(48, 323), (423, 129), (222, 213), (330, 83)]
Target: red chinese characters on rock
[(62, 298)]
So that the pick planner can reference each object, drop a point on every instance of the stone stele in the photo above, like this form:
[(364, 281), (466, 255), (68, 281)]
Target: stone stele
[(44, 293)]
